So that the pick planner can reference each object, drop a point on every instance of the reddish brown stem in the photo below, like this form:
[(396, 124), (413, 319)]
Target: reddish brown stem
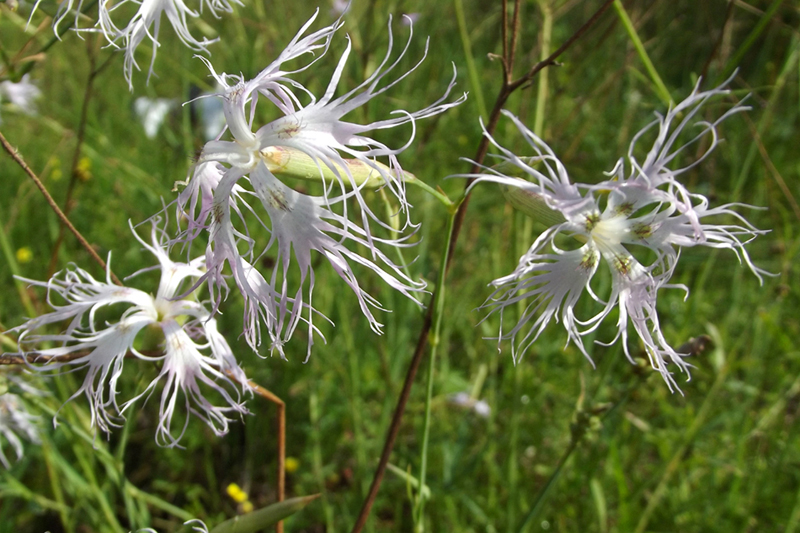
[(506, 90), (64, 220), (264, 393)]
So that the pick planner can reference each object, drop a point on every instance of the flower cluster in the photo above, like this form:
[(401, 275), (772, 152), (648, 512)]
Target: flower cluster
[(643, 206), (339, 154), (310, 139), (187, 328)]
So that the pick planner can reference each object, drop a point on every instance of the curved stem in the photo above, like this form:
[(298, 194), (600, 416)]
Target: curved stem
[(64, 220), (436, 193), (542, 496), (435, 340), (74, 174)]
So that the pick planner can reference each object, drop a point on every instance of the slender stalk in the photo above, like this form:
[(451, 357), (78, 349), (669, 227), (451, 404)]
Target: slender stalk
[(64, 220), (661, 89), (76, 157), (542, 496), (677, 457), (435, 341), (436, 193), (751, 39), (267, 395), (55, 484), (506, 91), (11, 260), (157, 502), (57, 38), (541, 91), (474, 79)]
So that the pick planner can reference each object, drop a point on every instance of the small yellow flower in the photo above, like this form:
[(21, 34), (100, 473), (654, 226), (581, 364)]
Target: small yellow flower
[(236, 493), (291, 465), (84, 169), (24, 255)]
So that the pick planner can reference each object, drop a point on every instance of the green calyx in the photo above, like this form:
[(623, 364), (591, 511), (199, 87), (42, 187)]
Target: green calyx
[(527, 202), (290, 163)]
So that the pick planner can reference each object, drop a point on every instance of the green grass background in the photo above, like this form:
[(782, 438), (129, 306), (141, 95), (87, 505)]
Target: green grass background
[(724, 456)]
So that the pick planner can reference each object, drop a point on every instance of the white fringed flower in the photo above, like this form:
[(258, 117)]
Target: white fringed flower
[(21, 94), (101, 347), (16, 422), (298, 222), (145, 24), (645, 207)]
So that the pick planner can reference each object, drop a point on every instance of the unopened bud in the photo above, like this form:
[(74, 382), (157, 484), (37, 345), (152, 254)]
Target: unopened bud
[(525, 201), (291, 163), (532, 204)]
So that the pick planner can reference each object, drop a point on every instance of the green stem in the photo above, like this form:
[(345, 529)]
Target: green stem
[(434, 341), (11, 260), (474, 79), (547, 38), (677, 457), (660, 89), (436, 193), (355, 396), (542, 496), (763, 22), (157, 502), (57, 38), (55, 484)]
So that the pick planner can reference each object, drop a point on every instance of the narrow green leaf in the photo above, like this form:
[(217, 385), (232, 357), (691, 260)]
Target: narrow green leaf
[(265, 517)]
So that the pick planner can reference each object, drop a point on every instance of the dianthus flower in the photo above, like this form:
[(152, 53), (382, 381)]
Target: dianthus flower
[(299, 222), (146, 23), (16, 422), (645, 206), (188, 329), (21, 94)]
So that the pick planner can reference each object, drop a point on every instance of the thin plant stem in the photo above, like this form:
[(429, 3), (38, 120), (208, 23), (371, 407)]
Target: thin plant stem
[(435, 342), (355, 395), (64, 220), (660, 89), (506, 90), (57, 38), (677, 457), (55, 484), (281, 420), (542, 496), (472, 71), (736, 60), (436, 193), (76, 157), (541, 90), (11, 260), (316, 454)]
